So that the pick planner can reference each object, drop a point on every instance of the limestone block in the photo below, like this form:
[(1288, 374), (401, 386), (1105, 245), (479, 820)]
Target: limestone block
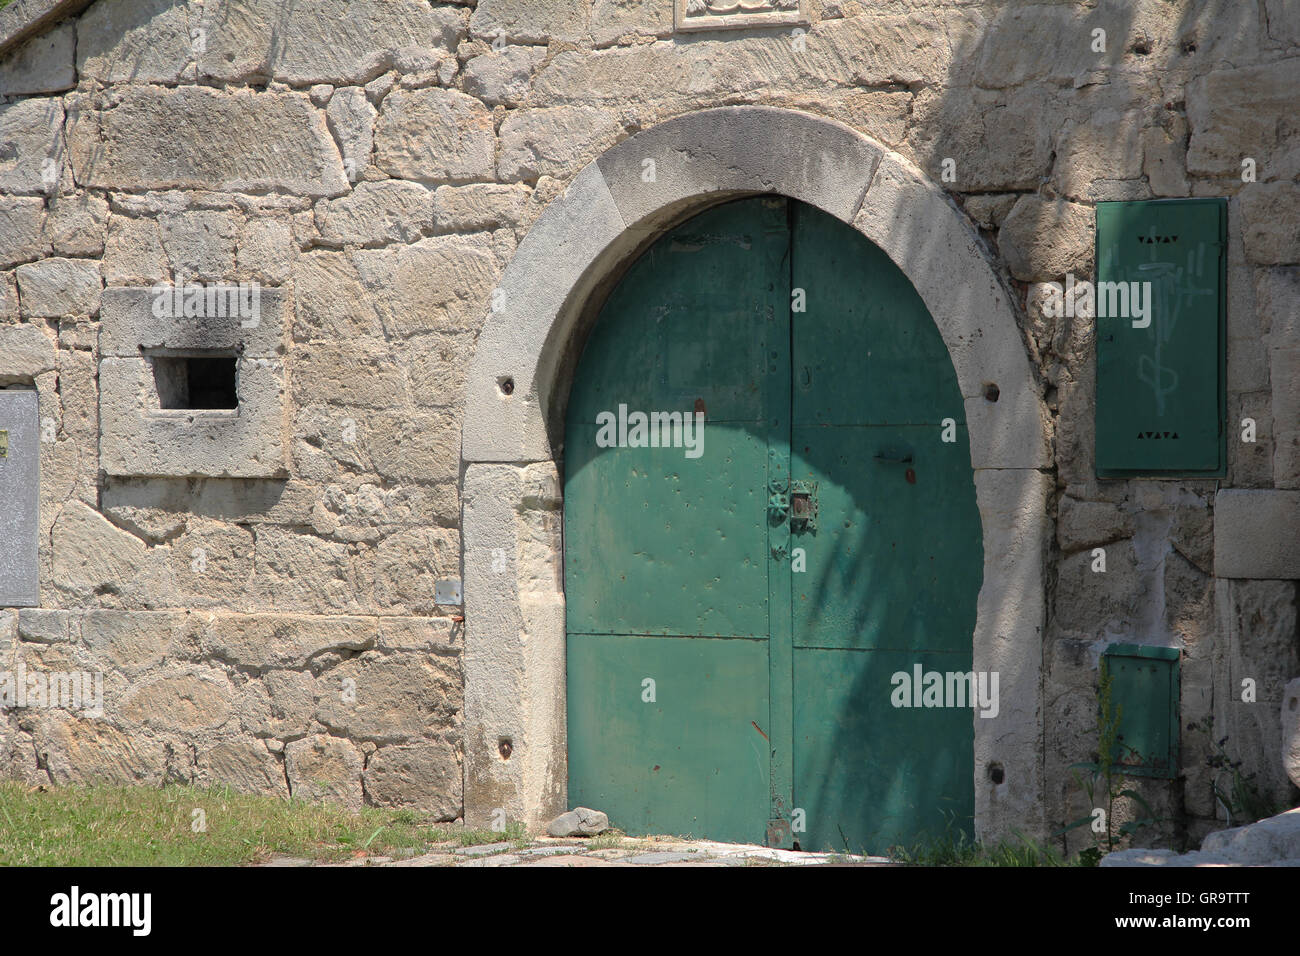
[(1272, 230), (22, 230), (42, 64), (319, 41), (1027, 44), (324, 770), (18, 757), (265, 253), (435, 368), (1087, 524), (212, 563), (183, 703), (479, 206), (1043, 240), (243, 764), (375, 214), (1164, 158), (554, 142), (1257, 533), (1105, 145), (252, 142), (141, 438), (25, 352), (281, 640), (1233, 115), (1284, 374), (503, 77), (613, 19), (8, 297), (435, 136), (1258, 624), (414, 446), (330, 302), (57, 287), (302, 572), (83, 751), (361, 373), (132, 640), (439, 283), (92, 555), (129, 326), (392, 699), (986, 136), (352, 121), (200, 243), (133, 253), (78, 224), (418, 633), (530, 21), (425, 776), (43, 626), (32, 157), (1276, 292), (988, 211), (410, 563), (145, 41), (278, 705), (1250, 464)]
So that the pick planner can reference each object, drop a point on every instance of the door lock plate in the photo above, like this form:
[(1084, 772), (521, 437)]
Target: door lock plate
[(803, 506)]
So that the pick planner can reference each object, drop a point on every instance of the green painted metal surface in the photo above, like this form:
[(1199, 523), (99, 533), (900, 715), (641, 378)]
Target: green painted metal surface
[(735, 620), (1144, 691), (1161, 389)]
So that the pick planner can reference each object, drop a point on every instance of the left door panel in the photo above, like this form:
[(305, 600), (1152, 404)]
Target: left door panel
[(666, 571)]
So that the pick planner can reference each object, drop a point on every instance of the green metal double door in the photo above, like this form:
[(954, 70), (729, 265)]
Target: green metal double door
[(742, 596)]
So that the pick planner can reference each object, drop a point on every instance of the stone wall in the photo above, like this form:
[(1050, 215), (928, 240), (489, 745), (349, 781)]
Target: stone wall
[(268, 619)]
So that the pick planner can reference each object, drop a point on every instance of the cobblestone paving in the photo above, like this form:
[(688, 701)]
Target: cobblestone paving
[(603, 851)]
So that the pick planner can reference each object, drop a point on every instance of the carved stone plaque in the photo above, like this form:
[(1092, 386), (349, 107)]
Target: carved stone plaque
[(733, 14)]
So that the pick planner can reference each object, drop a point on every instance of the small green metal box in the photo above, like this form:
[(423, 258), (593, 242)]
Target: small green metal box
[(1144, 688), (1160, 306)]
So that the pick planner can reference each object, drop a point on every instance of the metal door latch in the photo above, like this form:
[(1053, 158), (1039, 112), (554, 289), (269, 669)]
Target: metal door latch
[(798, 504), (803, 506)]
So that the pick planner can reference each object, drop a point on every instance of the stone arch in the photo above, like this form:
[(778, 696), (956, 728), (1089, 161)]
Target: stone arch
[(517, 387)]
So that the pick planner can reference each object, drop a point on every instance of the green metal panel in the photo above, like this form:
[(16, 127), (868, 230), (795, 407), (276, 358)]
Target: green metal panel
[(692, 761), (1161, 391), (869, 775), (1144, 690), (895, 562), (657, 543), (772, 686)]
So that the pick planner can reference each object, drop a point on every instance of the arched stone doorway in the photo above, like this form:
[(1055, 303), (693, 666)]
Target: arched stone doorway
[(518, 385)]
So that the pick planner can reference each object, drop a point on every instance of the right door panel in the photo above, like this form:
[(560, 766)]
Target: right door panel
[(894, 564)]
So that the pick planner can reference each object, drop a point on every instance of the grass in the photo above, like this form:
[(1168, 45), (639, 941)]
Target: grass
[(609, 840), (961, 851), (138, 826)]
